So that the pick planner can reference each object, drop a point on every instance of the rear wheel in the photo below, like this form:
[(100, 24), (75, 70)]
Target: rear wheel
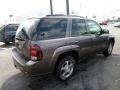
[(66, 67), (109, 49)]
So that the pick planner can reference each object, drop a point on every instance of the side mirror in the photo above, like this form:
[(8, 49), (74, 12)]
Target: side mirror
[(104, 31)]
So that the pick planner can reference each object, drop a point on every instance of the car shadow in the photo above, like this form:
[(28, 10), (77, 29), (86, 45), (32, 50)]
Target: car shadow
[(87, 77)]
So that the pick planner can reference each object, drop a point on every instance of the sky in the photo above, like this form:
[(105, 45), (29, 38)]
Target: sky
[(100, 8)]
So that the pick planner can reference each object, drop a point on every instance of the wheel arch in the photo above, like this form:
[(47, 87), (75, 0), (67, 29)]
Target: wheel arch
[(74, 53)]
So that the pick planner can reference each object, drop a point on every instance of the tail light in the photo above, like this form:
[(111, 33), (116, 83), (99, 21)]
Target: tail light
[(36, 53)]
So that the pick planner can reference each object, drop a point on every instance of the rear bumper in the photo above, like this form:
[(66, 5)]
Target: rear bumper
[(30, 67)]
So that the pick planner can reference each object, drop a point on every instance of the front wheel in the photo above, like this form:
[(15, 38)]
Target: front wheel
[(109, 49), (66, 68)]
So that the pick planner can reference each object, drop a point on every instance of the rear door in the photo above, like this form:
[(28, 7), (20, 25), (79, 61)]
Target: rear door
[(80, 36)]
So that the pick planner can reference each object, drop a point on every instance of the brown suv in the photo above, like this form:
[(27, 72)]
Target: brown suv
[(57, 43)]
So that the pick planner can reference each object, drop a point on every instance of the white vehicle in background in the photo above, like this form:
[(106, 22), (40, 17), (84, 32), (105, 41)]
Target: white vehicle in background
[(117, 24)]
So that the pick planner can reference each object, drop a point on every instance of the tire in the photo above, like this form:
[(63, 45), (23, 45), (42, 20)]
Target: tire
[(109, 49), (66, 68)]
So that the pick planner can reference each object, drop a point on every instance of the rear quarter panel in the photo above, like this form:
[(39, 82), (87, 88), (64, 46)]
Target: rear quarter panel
[(51, 49)]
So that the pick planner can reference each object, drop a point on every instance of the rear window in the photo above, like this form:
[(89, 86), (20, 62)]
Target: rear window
[(51, 28), (26, 29)]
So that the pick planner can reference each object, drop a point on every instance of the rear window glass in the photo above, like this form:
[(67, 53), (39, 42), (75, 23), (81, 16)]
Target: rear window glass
[(26, 29), (52, 28)]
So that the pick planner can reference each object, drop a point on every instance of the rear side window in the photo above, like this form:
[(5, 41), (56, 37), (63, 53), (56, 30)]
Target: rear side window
[(78, 27), (52, 28)]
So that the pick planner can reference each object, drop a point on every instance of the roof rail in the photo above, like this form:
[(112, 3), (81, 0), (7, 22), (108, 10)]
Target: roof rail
[(66, 15)]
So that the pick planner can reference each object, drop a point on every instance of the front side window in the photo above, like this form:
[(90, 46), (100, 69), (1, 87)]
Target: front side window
[(52, 28), (93, 27), (78, 27)]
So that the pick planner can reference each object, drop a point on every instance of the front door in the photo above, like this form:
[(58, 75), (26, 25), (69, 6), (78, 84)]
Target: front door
[(98, 40)]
